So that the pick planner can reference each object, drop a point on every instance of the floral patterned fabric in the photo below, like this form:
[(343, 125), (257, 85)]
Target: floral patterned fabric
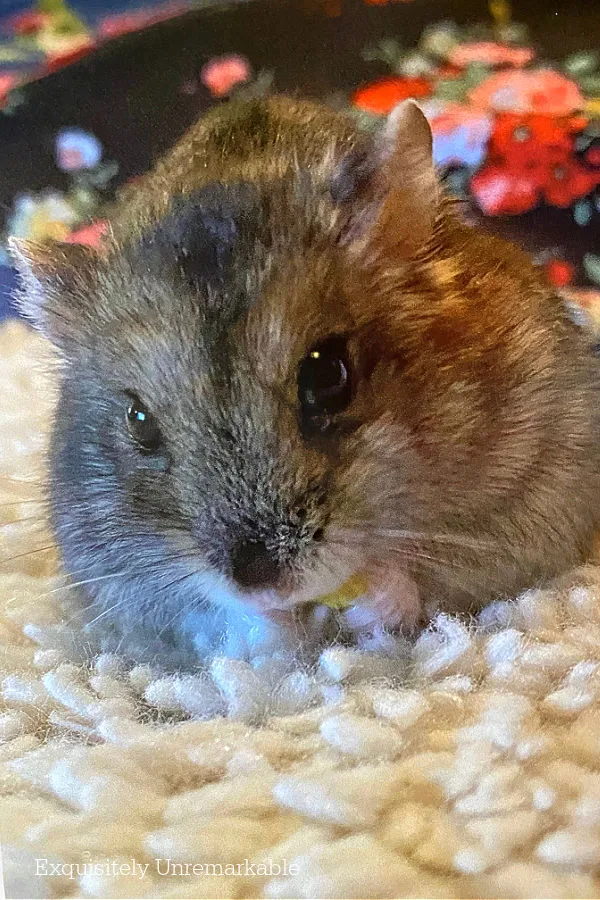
[(516, 126)]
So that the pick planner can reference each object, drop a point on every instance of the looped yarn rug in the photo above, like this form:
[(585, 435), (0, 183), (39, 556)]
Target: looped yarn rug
[(465, 765)]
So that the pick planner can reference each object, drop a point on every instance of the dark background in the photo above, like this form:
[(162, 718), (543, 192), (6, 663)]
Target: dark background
[(129, 91)]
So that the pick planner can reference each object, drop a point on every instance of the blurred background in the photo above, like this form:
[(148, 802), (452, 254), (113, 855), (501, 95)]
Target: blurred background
[(93, 91)]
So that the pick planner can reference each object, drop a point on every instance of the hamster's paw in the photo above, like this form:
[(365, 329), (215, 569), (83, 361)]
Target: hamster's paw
[(392, 604)]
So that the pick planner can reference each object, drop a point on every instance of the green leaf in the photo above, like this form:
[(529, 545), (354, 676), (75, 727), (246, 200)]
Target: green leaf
[(590, 85), (451, 89), (83, 200), (583, 212), (477, 32), (262, 86), (364, 120), (591, 264), (13, 53), (414, 65), (51, 6), (476, 73), (583, 63), (438, 40), (388, 51), (514, 33), (14, 100), (64, 20), (98, 178)]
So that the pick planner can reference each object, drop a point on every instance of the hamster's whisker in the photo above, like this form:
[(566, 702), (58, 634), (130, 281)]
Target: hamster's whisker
[(457, 540), (452, 540), (76, 584), (19, 502), (10, 559), (15, 479), (184, 609), (155, 566), (358, 539), (410, 553), (120, 603), (38, 522)]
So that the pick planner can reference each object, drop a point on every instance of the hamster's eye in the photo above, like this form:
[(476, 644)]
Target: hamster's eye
[(142, 426), (324, 382)]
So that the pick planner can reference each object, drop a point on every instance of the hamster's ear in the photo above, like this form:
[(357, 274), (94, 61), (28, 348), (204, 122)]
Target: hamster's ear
[(54, 286), (390, 189)]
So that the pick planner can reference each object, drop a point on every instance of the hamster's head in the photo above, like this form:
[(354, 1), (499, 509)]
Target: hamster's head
[(238, 414)]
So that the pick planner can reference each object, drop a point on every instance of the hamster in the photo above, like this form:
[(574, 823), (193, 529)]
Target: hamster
[(291, 364)]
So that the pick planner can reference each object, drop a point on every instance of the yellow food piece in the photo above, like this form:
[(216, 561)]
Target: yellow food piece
[(346, 594)]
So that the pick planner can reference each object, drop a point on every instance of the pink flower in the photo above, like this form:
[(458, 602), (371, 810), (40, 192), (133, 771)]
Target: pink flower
[(500, 191), (7, 83), (542, 91), (29, 22), (221, 74), (490, 54), (125, 23), (90, 235)]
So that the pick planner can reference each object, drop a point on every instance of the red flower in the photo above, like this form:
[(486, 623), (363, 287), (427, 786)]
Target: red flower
[(509, 190), (560, 272), (29, 22), (592, 157), (501, 191), (590, 154), (380, 97), (568, 181), (125, 23), (530, 141), (538, 151)]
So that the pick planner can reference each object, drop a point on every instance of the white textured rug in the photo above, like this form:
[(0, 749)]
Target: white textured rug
[(467, 765)]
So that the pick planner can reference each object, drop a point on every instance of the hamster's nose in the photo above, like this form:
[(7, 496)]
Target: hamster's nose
[(252, 566)]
